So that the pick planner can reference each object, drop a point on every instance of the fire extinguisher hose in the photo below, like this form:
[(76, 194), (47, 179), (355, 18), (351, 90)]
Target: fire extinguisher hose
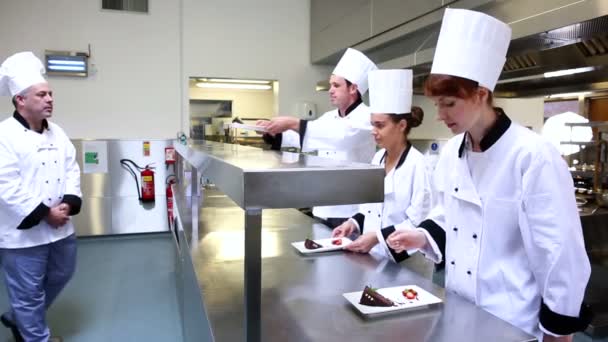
[(125, 164)]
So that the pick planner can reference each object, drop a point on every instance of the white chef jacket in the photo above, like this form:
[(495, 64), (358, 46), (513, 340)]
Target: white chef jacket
[(35, 168), (407, 200), (514, 243), (341, 138)]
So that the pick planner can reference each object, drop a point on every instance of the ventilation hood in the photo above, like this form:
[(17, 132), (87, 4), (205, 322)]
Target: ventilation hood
[(573, 58), (548, 36)]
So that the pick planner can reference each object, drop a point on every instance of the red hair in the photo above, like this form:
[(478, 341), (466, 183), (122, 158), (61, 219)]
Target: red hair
[(447, 85)]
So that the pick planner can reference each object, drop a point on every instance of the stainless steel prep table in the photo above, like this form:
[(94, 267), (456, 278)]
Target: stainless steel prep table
[(256, 179), (299, 298), (302, 295)]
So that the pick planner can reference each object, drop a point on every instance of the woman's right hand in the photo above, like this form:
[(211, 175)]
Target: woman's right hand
[(344, 230), (402, 240)]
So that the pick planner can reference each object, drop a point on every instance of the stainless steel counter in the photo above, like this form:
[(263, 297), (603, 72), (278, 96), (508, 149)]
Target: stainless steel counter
[(256, 179), (301, 296)]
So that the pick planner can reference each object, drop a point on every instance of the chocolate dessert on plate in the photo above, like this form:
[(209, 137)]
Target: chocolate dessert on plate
[(371, 297), (309, 244)]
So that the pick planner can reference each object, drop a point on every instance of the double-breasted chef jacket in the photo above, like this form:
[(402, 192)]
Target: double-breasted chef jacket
[(407, 200), (38, 170), (346, 138), (505, 223)]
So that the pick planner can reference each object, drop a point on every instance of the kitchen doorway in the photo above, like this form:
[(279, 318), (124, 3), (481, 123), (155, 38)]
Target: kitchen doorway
[(215, 102)]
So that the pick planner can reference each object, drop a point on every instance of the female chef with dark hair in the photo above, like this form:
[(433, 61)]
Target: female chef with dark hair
[(407, 191), (504, 218)]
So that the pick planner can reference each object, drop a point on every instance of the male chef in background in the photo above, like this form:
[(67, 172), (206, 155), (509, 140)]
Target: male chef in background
[(343, 133), (39, 191)]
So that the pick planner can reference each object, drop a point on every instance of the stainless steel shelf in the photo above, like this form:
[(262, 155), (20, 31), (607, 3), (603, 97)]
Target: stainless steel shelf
[(257, 179)]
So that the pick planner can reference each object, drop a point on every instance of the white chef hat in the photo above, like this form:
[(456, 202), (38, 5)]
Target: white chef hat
[(390, 91), (471, 45), (19, 72), (354, 66)]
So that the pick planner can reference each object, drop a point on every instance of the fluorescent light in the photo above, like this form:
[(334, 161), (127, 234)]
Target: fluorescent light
[(570, 94), (567, 72), (64, 62), (234, 86), (66, 68), (230, 80)]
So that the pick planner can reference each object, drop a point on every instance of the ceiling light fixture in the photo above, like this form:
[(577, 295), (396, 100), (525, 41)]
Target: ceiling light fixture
[(234, 86), (230, 80), (584, 93), (568, 72)]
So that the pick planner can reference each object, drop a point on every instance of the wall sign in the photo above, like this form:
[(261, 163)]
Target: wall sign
[(94, 157)]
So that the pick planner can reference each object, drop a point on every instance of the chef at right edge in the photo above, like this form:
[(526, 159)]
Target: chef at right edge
[(504, 218)]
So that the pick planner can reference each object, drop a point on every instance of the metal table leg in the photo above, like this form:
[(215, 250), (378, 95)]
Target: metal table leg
[(253, 274)]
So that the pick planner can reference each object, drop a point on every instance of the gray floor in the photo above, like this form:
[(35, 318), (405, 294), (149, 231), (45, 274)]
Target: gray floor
[(124, 289)]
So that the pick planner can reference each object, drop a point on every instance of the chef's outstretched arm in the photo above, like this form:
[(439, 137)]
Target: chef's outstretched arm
[(280, 124), (21, 208), (72, 195), (283, 131), (553, 239)]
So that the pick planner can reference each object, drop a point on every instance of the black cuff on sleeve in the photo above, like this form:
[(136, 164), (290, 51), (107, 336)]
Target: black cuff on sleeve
[(564, 325), (360, 218), (302, 131), (438, 234), (274, 142), (399, 257), (75, 203), (34, 217)]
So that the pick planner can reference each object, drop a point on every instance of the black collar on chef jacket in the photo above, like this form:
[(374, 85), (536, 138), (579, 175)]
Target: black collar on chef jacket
[(351, 107), (402, 158), (496, 131), (304, 125), (21, 119)]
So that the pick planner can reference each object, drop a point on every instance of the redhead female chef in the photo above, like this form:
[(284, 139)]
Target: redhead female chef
[(504, 218), (407, 190), (39, 191), (342, 133)]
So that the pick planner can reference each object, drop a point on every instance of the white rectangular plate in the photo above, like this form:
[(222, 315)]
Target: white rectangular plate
[(425, 299), (248, 127), (326, 243)]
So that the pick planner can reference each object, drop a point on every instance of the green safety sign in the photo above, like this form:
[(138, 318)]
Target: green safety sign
[(91, 158)]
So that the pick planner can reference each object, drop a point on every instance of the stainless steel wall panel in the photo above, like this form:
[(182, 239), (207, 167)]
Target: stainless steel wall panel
[(123, 183), (130, 216), (95, 217), (110, 200), (92, 184)]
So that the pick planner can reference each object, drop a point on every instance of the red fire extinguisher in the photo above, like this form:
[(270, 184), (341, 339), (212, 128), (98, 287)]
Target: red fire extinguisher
[(147, 179), (147, 185)]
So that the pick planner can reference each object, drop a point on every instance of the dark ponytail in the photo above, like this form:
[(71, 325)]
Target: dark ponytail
[(413, 118)]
